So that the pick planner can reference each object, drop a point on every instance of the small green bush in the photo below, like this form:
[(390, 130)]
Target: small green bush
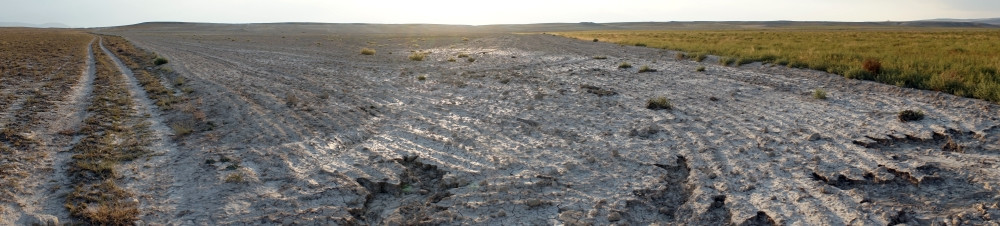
[(819, 94), (422, 77), (470, 59), (659, 103), (595, 40), (911, 115), (700, 68), (624, 65), (463, 55), (160, 61)]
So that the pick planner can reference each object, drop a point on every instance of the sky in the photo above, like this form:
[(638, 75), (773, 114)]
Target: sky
[(101, 13)]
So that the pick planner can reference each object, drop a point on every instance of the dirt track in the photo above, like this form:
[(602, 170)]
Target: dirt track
[(322, 133)]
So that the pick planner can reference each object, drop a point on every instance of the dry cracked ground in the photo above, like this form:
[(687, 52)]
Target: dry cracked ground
[(518, 129)]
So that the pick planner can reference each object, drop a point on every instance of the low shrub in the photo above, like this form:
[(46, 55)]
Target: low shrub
[(160, 61), (645, 68), (600, 57), (640, 44), (659, 103), (872, 66), (417, 56), (595, 40), (700, 68), (911, 115), (624, 65), (470, 59)]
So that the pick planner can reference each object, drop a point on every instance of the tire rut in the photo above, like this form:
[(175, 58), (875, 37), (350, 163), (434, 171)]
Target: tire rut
[(153, 176)]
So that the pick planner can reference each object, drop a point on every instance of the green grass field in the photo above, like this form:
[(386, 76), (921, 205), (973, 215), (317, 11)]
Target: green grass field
[(961, 62)]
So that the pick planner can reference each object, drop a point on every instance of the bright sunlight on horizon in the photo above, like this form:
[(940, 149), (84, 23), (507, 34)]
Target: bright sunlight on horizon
[(120, 12)]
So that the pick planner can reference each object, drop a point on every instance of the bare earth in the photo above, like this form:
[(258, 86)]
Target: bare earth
[(529, 134)]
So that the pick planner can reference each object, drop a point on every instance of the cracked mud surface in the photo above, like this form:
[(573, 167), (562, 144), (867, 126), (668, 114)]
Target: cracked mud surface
[(538, 131)]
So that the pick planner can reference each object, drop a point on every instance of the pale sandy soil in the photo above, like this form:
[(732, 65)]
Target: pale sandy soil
[(520, 136)]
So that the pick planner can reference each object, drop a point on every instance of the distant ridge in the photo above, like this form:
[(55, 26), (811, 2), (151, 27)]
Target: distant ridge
[(45, 25), (993, 21)]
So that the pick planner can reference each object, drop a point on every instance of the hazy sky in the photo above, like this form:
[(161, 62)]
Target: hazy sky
[(95, 13)]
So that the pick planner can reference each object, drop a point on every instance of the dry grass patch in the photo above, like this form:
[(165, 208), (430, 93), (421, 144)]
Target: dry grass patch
[(367, 51)]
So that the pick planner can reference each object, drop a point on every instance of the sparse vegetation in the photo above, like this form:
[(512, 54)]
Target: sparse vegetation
[(422, 77), (700, 69), (645, 69), (659, 103), (470, 59), (463, 55), (451, 59), (640, 44), (367, 51), (960, 62), (624, 65), (819, 94), (911, 115), (679, 56)]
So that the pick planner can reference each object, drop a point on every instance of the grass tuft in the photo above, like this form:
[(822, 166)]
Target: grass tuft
[(367, 51), (819, 94), (418, 56), (645, 68), (624, 65), (700, 69)]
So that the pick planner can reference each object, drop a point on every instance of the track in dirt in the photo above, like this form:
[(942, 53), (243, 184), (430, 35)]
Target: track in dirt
[(318, 132)]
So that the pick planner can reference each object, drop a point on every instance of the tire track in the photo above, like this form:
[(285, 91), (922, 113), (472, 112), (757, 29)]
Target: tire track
[(60, 135), (151, 177)]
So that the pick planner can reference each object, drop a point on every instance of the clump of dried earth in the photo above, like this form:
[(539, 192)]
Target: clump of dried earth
[(536, 130)]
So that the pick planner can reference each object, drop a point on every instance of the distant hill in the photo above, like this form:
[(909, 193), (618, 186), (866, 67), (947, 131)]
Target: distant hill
[(45, 25), (993, 21)]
